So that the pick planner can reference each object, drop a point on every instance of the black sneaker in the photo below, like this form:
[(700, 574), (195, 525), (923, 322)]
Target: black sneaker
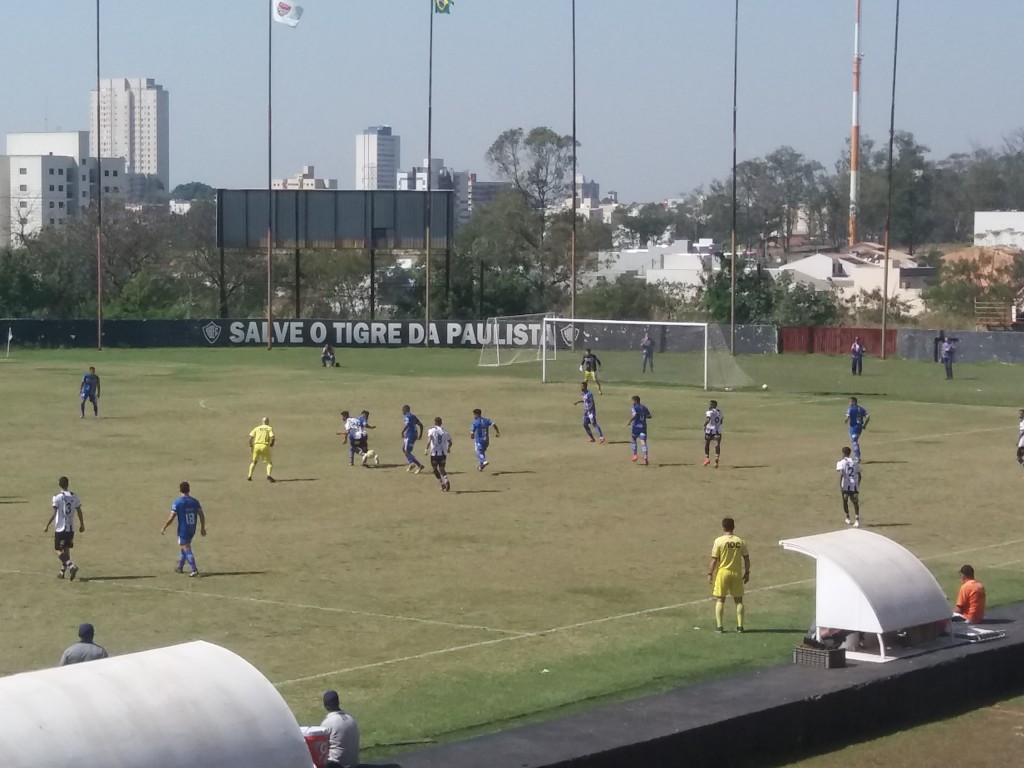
[(719, 630), (73, 571), (739, 630)]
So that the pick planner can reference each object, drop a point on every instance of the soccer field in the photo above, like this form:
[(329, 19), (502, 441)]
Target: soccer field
[(560, 577)]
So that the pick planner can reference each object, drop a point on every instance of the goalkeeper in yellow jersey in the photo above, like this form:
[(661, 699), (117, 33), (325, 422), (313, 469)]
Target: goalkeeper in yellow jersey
[(261, 440)]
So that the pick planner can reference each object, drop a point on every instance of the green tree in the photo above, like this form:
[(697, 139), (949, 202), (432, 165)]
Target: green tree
[(755, 293), (20, 293), (194, 190), (537, 164), (625, 298), (647, 225), (798, 304)]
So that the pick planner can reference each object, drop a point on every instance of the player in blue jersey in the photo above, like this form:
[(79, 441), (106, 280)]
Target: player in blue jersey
[(589, 413), (90, 390), (480, 432), (412, 430), (638, 423), (858, 420), (188, 512)]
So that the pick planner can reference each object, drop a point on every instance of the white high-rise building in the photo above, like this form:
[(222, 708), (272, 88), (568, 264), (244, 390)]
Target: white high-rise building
[(47, 177), (134, 125), (378, 157)]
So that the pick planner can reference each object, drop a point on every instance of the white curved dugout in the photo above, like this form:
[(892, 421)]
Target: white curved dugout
[(870, 584), (196, 705)]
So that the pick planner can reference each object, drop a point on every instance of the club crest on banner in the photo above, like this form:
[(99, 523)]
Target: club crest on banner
[(570, 333), (211, 332)]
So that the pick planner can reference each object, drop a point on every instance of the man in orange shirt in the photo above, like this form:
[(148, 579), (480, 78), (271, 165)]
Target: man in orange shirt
[(970, 603)]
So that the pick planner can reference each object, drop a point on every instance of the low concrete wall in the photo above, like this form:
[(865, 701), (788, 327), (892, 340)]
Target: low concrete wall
[(761, 719), (971, 346)]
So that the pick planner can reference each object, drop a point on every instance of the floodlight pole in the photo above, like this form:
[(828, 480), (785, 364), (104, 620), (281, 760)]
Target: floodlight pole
[(430, 186), (851, 235), (888, 179), (99, 195), (270, 190), (575, 203), (732, 257)]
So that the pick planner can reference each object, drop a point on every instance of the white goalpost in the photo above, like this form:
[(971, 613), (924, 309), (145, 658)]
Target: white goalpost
[(689, 354), (509, 339)]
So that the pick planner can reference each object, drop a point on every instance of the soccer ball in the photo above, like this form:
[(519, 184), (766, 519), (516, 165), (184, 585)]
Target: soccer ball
[(764, 386)]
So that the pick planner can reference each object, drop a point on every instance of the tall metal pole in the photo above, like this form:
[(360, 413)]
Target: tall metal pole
[(99, 194), (732, 257), (270, 192), (851, 235), (430, 186), (888, 179), (572, 252)]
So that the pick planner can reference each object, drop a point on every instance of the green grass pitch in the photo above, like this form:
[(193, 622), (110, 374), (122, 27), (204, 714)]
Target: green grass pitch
[(561, 577)]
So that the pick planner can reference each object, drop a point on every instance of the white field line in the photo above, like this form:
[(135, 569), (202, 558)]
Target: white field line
[(284, 604), (588, 623), (937, 434), (525, 635)]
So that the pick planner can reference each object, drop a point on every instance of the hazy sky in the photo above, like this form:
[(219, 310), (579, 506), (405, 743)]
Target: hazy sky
[(654, 79)]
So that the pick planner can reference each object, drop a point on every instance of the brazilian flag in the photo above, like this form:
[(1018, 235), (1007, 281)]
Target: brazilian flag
[(443, 6)]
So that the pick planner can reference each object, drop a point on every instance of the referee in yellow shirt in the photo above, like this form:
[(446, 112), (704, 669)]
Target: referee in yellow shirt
[(261, 440), (729, 571)]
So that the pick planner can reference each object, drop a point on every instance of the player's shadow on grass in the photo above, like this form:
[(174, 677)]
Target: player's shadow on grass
[(887, 461), (748, 466), (12, 500), (481, 490), (885, 525), (299, 480), (116, 578), (677, 464), (619, 442), (208, 574), (515, 472)]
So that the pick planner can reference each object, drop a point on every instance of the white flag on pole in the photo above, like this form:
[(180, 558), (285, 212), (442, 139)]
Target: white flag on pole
[(285, 13)]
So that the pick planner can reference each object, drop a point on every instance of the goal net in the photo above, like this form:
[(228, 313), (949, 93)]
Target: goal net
[(514, 339), (689, 354)]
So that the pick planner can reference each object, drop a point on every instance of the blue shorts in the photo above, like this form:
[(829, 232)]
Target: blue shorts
[(855, 433), (589, 418), (408, 444), (184, 541), (482, 446), (639, 435), (90, 396)]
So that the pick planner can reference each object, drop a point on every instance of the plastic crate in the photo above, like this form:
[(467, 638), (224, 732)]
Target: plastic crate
[(816, 657)]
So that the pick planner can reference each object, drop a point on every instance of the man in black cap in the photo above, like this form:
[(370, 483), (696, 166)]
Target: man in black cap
[(85, 649), (344, 734)]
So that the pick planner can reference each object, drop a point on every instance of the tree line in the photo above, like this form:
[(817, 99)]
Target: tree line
[(514, 256)]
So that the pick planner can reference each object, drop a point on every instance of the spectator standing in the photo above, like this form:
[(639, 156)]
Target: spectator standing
[(857, 357), (343, 732), (946, 353), (85, 649)]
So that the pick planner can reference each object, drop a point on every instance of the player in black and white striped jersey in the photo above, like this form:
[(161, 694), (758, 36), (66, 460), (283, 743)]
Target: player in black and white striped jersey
[(849, 485), (439, 443), (65, 505), (1020, 438), (712, 432)]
